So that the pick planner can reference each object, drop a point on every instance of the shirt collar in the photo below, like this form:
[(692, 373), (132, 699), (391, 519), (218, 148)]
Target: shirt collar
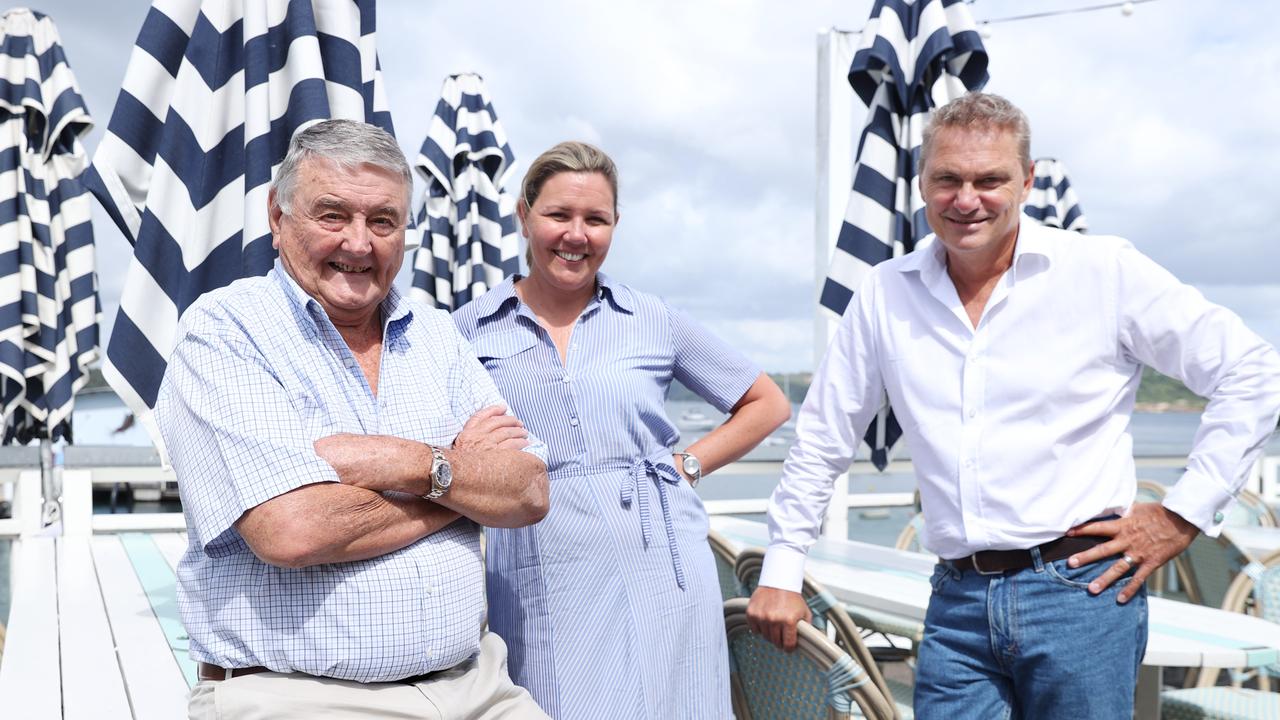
[(488, 304), (617, 293), (497, 298), (1034, 249), (393, 307)]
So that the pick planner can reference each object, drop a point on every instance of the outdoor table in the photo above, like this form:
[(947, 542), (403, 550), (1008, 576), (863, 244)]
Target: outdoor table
[(1257, 541), (897, 582)]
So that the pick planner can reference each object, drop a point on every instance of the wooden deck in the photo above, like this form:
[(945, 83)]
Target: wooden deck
[(95, 621)]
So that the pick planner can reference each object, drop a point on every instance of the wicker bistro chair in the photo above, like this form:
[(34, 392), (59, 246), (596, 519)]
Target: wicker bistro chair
[(1151, 491), (909, 538), (830, 618), (1208, 567), (1251, 509), (818, 680), (726, 558), (1255, 591)]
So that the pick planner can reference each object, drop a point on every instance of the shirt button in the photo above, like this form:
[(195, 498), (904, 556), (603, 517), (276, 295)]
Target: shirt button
[(973, 413), (429, 589), (566, 378), (1218, 517), (573, 421), (969, 463)]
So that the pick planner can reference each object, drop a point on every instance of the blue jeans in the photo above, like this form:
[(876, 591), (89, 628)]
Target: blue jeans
[(1031, 644)]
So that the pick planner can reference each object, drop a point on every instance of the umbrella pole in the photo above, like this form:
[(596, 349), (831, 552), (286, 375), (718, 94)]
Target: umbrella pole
[(51, 511)]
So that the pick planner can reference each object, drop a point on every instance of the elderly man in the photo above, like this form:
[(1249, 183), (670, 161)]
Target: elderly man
[(336, 446), (1012, 354)]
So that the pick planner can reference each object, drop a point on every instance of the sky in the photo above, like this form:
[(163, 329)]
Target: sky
[(1166, 120)]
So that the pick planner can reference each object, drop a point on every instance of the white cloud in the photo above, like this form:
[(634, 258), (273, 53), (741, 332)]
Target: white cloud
[(1166, 120)]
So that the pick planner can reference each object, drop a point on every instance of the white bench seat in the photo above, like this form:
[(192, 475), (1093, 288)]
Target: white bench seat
[(94, 631)]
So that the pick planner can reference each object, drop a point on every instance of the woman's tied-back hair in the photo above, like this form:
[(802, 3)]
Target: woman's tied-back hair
[(981, 112), (568, 156), (346, 143)]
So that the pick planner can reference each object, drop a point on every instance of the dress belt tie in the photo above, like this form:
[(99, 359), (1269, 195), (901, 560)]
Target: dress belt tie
[(663, 475)]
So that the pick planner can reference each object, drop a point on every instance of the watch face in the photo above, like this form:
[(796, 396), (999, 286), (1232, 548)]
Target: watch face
[(692, 466), (444, 475)]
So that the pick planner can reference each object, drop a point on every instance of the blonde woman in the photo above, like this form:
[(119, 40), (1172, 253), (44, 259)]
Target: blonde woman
[(610, 605)]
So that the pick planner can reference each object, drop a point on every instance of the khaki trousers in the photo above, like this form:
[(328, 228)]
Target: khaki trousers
[(478, 689)]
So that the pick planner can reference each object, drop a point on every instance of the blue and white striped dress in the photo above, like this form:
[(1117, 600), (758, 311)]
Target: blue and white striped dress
[(610, 606)]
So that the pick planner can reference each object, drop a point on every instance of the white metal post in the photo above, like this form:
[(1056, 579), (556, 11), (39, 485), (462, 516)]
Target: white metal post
[(28, 503), (835, 133), (77, 503)]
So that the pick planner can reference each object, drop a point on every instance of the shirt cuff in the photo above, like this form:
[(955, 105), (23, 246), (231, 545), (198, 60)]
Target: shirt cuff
[(783, 568), (1201, 501)]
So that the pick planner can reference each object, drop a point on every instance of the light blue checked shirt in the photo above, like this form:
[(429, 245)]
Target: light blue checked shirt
[(257, 375)]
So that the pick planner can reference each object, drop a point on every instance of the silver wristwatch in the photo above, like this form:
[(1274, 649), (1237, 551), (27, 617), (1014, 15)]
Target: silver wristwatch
[(441, 474), (691, 466)]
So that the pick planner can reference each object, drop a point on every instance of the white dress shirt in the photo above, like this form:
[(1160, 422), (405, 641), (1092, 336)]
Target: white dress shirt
[(1018, 428)]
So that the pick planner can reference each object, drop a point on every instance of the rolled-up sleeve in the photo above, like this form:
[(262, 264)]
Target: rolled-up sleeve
[(707, 365)]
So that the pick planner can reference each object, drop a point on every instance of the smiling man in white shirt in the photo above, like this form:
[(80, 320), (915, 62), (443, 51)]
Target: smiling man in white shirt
[(1011, 354)]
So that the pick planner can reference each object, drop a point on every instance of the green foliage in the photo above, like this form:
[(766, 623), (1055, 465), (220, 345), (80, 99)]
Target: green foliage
[(1160, 391)]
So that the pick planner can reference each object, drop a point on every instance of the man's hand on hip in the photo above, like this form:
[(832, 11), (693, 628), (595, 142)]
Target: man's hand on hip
[(774, 613), (1148, 537), (492, 429)]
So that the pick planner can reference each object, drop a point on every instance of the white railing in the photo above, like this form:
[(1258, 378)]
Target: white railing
[(77, 484)]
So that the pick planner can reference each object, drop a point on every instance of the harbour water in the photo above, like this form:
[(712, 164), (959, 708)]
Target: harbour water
[(102, 420)]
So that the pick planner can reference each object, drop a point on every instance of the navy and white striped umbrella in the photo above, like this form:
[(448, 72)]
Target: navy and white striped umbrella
[(49, 307), (213, 93), (914, 55), (469, 240), (1052, 201)]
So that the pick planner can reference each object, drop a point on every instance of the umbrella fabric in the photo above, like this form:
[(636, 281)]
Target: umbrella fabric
[(212, 95), (913, 57), (49, 307), (1052, 201), (469, 241)]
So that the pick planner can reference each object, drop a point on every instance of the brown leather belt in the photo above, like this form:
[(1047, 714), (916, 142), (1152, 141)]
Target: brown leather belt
[(207, 671), (995, 562)]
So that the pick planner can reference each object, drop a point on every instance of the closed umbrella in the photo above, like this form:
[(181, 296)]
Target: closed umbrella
[(213, 93), (49, 307), (1052, 201), (913, 57), (469, 241)]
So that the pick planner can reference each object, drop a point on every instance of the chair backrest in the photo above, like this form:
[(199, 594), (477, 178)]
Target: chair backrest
[(829, 616), (726, 558), (1255, 591), (817, 680), (1151, 491), (1209, 566), (909, 538), (1251, 509)]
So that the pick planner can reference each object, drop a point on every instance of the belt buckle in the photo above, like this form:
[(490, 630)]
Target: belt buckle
[(978, 568)]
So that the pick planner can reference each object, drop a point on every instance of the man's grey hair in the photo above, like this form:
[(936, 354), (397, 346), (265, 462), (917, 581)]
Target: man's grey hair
[(981, 112), (346, 143)]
